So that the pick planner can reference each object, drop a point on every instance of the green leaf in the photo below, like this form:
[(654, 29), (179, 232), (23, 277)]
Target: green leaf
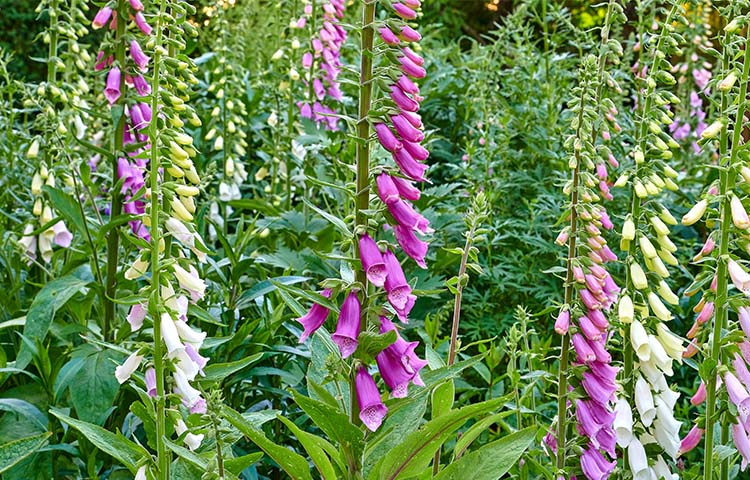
[(68, 208), (371, 343), (220, 371), (292, 463), (334, 424), (264, 288), (474, 431), (186, 455), (113, 444), (25, 409), (16, 451), (313, 447), (337, 222), (442, 398), (237, 465), (47, 302), (415, 453), (94, 387), (491, 461)]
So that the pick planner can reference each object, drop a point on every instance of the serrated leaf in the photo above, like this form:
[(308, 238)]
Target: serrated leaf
[(14, 452)]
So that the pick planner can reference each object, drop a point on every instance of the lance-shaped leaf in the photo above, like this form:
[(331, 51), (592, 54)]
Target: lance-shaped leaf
[(14, 452)]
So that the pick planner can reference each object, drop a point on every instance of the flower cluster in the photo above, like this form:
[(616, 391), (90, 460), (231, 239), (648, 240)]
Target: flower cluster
[(128, 72), (645, 238), (173, 184), (323, 64), (398, 363)]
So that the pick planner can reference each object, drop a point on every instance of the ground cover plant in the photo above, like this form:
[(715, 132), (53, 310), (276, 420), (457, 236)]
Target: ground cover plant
[(374, 239)]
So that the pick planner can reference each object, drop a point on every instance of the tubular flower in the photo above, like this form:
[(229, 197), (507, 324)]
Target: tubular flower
[(323, 64), (371, 408), (314, 318), (348, 326)]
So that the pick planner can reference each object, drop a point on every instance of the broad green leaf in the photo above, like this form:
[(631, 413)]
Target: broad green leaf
[(442, 398), (25, 409), (113, 444), (220, 371), (186, 454), (264, 288), (47, 302), (491, 461), (292, 463), (475, 430), (371, 343), (16, 451), (312, 445), (68, 208), (94, 386), (334, 424), (415, 453), (237, 465)]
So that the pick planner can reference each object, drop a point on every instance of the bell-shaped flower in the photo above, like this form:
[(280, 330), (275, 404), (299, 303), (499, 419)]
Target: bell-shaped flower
[(139, 58), (582, 348), (644, 402), (739, 215), (638, 276), (188, 335), (151, 382), (387, 190), (639, 341), (625, 310), (406, 189), (130, 365), (135, 317), (62, 236), (406, 216), (661, 311), (738, 395), (192, 440), (386, 137), (412, 246), (112, 89), (183, 388), (742, 443), (142, 24), (659, 356), (700, 395), (314, 318), (667, 436), (371, 408), (190, 281), (409, 166), (372, 261), (691, 440), (595, 466), (623, 423), (740, 277), (671, 343), (638, 461), (170, 335), (562, 323), (102, 18), (348, 326)]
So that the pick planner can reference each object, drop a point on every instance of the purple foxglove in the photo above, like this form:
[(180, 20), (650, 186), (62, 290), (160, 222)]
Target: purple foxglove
[(371, 408), (372, 261), (414, 118), (409, 166), (403, 101), (594, 465), (700, 395), (409, 34), (183, 388), (101, 18), (411, 245), (417, 151), (602, 355), (406, 216), (737, 395), (142, 24), (691, 440), (589, 330), (112, 90), (406, 189), (398, 368), (413, 56), (403, 313), (136, 316), (314, 318), (130, 365), (593, 284), (388, 37), (705, 314), (406, 130), (404, 351), (607, 440), (404, 12), (347, 328), (151, 382), (587, 424), (562, 323), (136, 5), (407, 85), (387, 190), (396, 286), (598, 319), (307, 60), (604, 371), (741, 441), (139, 58), (387, 139), (583, 349), (141, 85), (598, 389), (589, 300), (410, 68)]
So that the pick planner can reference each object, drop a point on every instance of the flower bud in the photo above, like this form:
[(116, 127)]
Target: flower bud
[(638, 276), (712, 131), (728, 82), (625, 309), (695, 213), (628, 229)]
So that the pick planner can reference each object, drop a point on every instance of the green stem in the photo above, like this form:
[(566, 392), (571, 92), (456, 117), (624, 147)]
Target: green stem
[(163, 458), (727, 181), (53, 36), (113, 238)]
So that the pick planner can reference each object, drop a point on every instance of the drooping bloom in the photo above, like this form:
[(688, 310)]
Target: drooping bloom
[(314, 318), (371, 408), (372, 261), (348, 326), (124, 371), (112, 89), (397, 363)]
